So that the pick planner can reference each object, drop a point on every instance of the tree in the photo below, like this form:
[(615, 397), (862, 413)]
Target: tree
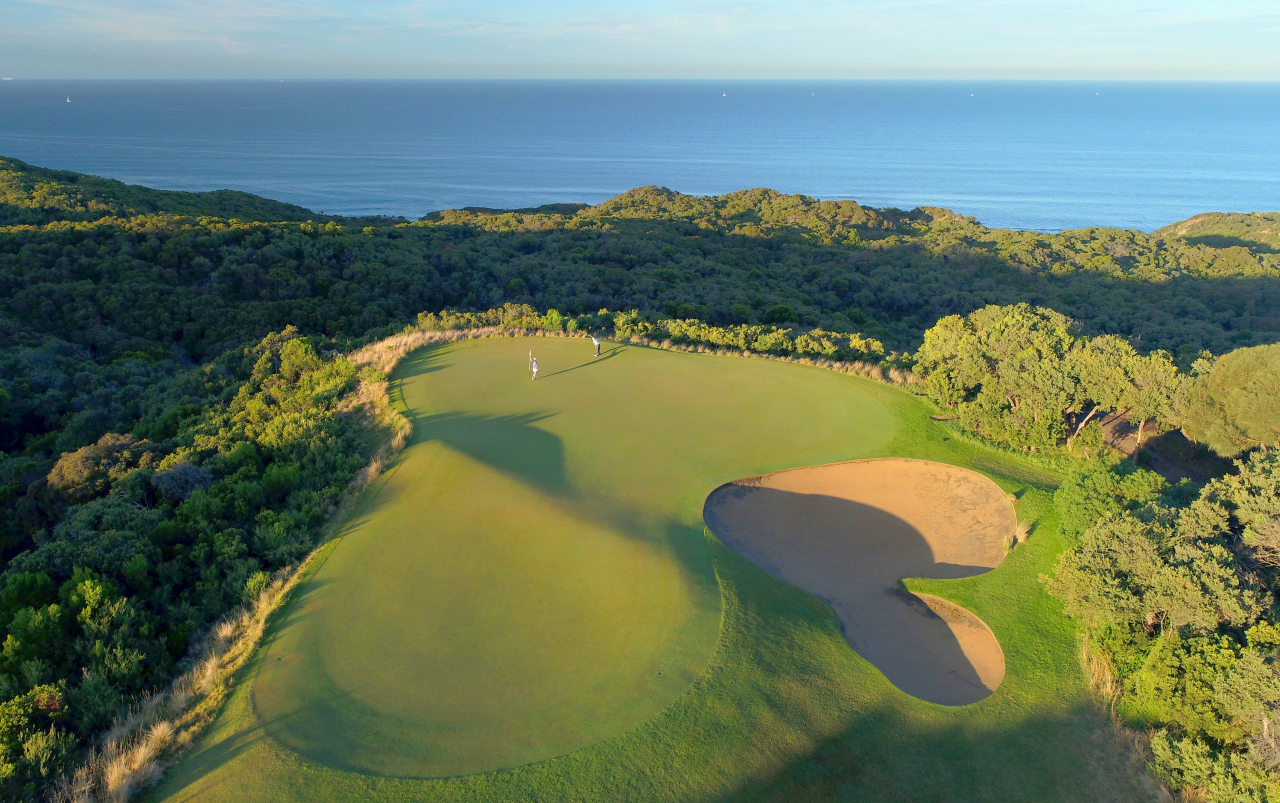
[(1005, 369), (1101, 365), (1154, 383), (1234, 406), (83, 474), (1174, 602)]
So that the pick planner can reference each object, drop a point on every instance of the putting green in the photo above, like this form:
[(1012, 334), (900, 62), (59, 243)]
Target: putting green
[(531, 577), (462, 609)]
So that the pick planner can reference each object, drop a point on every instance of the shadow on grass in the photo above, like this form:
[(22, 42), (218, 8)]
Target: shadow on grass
[(853, 556), (208, 758), (512, 444), (1061, 756), (1038, 739), (606, 355), (328, 724), (425, 361), (517, 447)]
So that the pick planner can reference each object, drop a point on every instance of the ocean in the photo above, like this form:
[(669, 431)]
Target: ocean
[(1030, 155)]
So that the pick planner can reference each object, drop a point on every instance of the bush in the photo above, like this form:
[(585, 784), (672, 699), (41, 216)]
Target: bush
[(1170, 596), (780, 313), (181, 480), (100, 607), (629, 324), (1232, 406)]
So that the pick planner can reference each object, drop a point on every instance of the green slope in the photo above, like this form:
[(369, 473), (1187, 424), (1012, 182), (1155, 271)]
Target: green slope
[(36, 195), (1257, 231), (510, 592)]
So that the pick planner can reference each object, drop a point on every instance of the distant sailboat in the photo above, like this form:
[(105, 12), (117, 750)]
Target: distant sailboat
[(724, 94), (68, 100)]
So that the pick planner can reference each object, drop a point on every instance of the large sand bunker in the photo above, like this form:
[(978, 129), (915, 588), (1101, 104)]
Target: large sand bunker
[(848, 532)]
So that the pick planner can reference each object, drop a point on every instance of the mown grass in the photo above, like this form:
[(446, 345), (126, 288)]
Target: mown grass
[(778, 706)]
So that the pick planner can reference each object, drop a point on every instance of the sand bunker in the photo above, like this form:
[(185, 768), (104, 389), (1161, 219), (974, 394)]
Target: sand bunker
[(848, 532)]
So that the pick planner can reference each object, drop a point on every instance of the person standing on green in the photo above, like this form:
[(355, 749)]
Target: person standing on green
[(596, 341), (535, 368)]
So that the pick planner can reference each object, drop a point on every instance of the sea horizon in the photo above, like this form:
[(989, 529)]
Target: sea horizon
[(1043, 155)]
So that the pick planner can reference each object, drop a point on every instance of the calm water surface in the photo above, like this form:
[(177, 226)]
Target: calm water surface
[(1034, 155)]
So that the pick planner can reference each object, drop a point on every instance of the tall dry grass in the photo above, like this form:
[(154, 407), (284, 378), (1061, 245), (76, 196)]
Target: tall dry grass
[(1102, 675), (131, 753), (1106, 689), (386, 354)]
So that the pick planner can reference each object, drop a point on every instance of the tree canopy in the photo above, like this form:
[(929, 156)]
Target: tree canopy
[(1023, 375), (177, 417), (1177, 599), (1235, 404)]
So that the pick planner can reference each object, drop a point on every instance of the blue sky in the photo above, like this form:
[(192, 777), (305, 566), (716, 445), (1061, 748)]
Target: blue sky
[(1226, 39)]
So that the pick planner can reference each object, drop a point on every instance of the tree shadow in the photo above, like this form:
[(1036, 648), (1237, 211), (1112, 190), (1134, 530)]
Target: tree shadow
[(853, 556), (1064, 755), (605, 355), (301, 715), (1171, 455), (282, 722), (1226, 241), (511, 444), (515, 446), (208, 757), (424, 361)]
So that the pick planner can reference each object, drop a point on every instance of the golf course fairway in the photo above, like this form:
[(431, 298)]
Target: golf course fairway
[(527, 606)]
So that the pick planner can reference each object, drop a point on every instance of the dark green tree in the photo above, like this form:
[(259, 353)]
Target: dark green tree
[(1235, 405)]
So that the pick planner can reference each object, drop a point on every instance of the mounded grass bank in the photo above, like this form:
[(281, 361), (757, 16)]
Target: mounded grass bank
[(779, 707)]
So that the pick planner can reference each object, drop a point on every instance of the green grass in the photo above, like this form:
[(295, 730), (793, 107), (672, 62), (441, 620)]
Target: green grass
[(507, 596)]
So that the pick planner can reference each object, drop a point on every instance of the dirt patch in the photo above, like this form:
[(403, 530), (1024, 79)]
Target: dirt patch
[(848, 532)]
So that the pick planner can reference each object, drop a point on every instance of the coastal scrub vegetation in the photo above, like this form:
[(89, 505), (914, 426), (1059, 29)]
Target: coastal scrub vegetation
[(179, 414), (1176, 589), (134, 544)]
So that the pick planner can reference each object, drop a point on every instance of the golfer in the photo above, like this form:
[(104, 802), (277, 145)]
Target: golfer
[(535, 367), (596, 341)]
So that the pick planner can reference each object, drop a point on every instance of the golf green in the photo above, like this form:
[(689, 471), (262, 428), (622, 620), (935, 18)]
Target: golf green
[(528, 607), (531, 577)]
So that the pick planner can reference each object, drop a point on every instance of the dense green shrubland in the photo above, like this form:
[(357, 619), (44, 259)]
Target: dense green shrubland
[(774, 340), (159, 457), (133, 544), (36, 196), (93, 272), (630, 323), (1175, 589)]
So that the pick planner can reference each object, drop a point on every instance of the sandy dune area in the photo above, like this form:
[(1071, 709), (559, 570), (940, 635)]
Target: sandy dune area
[(848, 532)]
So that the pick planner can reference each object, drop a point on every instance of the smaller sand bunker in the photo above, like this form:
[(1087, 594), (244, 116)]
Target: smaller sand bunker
[(848, 532)]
